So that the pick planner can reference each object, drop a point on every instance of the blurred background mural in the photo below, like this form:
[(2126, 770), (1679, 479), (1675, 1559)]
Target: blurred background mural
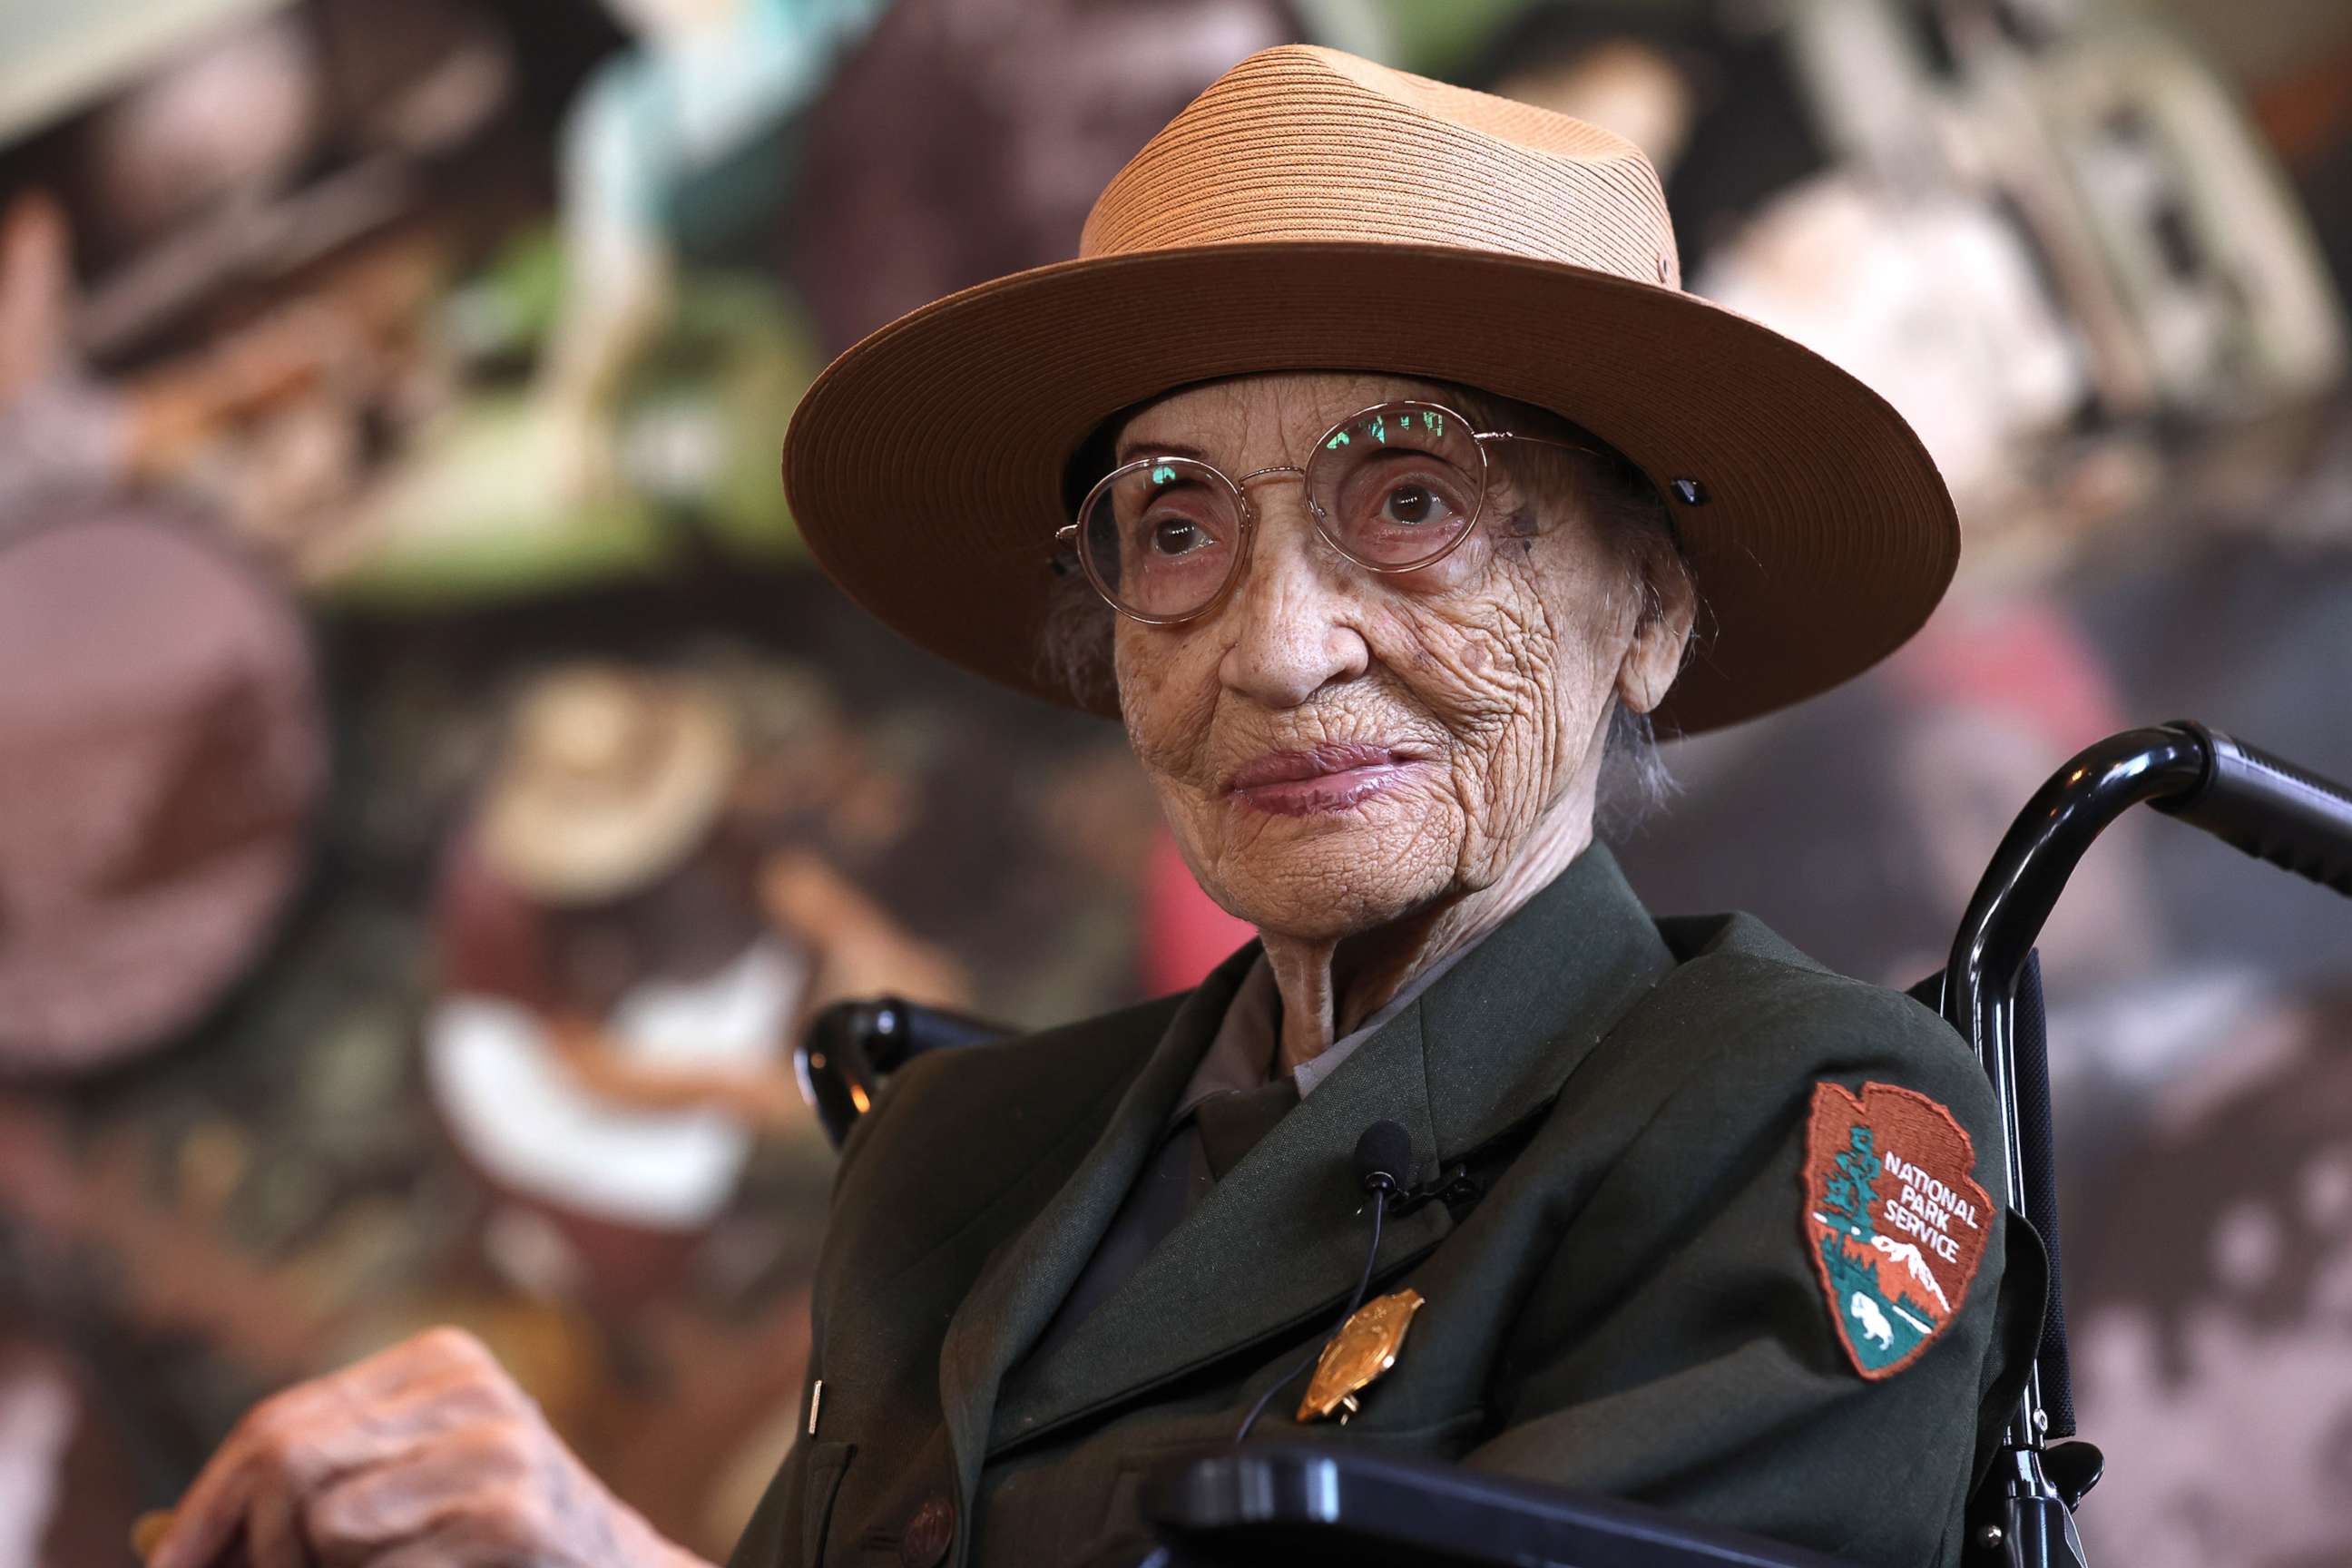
[(433, 785)]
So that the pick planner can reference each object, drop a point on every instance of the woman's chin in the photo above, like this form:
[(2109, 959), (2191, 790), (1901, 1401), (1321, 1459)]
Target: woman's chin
[(1331, 884)]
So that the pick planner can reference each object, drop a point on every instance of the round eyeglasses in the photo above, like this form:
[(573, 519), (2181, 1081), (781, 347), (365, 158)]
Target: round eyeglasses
[(1394, 487)]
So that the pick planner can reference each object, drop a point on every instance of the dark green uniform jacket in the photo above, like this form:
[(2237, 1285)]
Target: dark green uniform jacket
[(1634, 1306)]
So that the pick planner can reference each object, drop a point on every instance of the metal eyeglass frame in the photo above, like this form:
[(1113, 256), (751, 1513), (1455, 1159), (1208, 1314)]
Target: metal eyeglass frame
[(1067, 534)]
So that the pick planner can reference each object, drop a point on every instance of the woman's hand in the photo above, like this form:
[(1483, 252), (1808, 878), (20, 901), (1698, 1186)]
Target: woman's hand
[(424, 1454)]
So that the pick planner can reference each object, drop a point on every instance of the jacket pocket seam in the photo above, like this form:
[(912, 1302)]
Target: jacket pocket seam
[(828, 1463)]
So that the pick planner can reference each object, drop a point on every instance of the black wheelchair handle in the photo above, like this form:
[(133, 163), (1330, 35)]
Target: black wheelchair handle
[(897, 1031), (849, 1047), (2266, 807), (2270, 809)]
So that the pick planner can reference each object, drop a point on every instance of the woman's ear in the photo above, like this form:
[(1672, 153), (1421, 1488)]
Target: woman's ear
[(1655, 655)]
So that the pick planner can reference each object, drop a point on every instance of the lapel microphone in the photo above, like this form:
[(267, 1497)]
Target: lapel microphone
[(1384, 1160), (1383, 1169)]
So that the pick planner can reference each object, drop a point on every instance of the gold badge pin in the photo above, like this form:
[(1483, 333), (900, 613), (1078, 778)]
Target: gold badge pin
[(1363, 1349)]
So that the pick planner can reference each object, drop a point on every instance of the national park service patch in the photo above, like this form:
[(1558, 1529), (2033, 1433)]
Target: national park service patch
[(1893, 1219)]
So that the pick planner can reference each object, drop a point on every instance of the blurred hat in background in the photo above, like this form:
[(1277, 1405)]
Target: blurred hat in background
[(611, 777), (162, 752)]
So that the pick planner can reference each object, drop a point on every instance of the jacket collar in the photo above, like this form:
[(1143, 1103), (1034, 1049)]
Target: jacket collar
[(1280, 1241)]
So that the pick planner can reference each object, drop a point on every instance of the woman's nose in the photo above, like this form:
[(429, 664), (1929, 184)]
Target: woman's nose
[(1287, 618)]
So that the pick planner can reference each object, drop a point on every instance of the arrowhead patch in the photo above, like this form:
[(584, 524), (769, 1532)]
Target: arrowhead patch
[(1893, 1219)]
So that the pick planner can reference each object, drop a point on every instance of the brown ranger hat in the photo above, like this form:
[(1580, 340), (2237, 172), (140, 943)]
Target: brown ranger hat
[(1314, 211)]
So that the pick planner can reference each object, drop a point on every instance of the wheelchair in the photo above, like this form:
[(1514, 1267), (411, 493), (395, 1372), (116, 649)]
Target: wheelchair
[(1273, 1502)]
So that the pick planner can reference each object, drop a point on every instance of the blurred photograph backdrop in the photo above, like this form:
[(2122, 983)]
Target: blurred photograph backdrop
[(435, 787)]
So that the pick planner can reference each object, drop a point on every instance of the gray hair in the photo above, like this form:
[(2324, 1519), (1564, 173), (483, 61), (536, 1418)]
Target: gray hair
[(1075, 639)]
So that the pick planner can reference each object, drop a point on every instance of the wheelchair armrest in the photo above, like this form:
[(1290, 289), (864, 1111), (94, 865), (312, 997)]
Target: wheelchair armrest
[(1303, 1504)]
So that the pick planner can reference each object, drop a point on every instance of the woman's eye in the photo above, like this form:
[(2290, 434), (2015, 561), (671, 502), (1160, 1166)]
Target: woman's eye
[(1175, 536), (1410, 505)]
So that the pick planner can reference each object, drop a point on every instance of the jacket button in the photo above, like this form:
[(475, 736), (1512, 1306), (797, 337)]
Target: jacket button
[(926, 1537)]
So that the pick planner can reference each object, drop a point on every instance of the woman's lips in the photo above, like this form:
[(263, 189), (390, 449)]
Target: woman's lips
[(1319, 779)]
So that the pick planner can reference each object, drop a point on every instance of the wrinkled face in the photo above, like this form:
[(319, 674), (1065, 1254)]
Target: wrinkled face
[(1336, 749)]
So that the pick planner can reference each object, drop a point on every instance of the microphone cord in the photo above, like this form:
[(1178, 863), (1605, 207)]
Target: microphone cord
[(1380, 1206)]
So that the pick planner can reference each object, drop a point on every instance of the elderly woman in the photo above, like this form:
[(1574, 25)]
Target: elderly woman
[(1371, 466)]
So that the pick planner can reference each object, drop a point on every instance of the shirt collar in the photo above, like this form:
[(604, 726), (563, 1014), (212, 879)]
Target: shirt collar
[(1241, 1054)]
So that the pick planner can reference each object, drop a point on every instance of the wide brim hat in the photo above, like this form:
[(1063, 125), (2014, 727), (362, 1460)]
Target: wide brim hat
[(1312, 211), (610, 779)]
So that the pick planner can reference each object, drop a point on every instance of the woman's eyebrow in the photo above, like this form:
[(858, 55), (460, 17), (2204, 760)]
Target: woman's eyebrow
[(1131, 450)]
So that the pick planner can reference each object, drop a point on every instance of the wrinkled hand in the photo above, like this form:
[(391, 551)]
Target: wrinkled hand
[(424, 1454)]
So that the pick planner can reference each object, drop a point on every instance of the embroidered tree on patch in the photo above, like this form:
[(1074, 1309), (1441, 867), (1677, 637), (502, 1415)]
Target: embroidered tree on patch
[(1854, 1190)]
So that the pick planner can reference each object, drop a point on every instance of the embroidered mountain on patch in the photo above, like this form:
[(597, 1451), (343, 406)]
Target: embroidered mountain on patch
[(1894, 1219)]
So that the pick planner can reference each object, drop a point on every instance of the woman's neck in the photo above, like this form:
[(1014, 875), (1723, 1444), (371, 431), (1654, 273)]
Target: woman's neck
[(1329, 987)]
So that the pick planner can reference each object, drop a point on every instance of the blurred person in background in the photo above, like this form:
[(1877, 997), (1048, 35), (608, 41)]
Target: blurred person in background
[(626, 959), (656, 342), (676, 150), (1372, 631)]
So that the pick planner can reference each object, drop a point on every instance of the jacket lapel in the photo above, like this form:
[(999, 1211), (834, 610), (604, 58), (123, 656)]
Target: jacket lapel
[(1506, 1028), (1281, 1239), (1019, 1287)]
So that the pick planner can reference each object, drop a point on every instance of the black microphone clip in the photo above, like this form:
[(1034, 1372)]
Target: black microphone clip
[(1451, 1187), (1384, 1158), (1384, 1168)]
